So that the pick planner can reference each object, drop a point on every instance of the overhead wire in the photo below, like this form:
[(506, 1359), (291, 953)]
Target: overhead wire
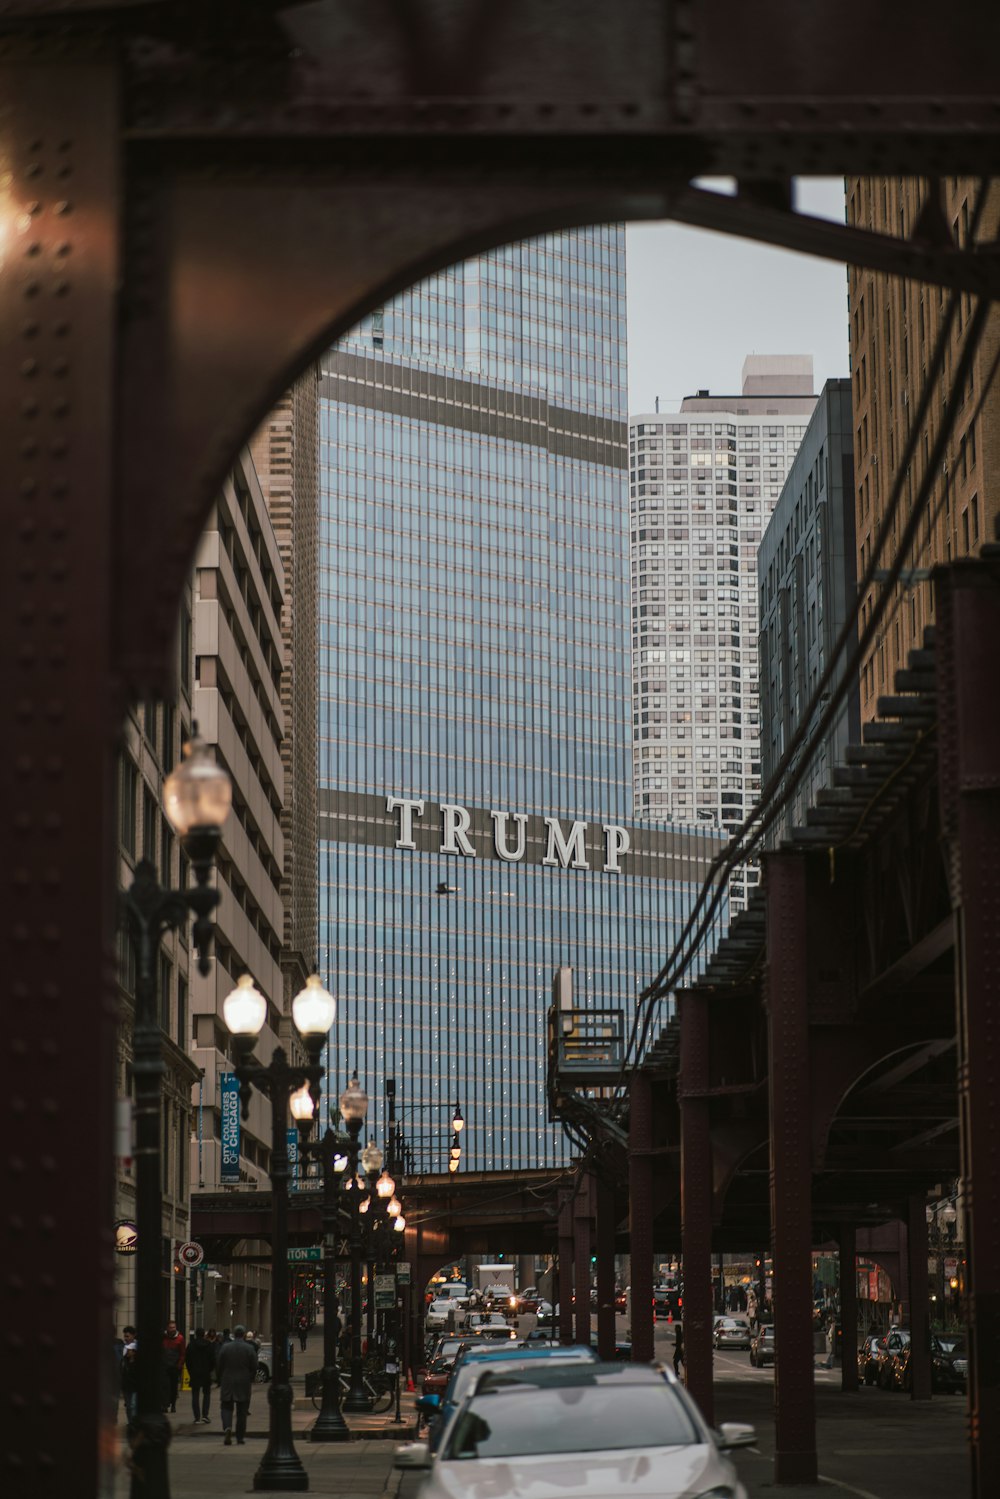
[(790, 771)]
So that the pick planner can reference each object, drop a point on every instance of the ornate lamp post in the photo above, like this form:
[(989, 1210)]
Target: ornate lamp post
[(313, 1012), (197, 798), (353, 1108), (330, 1425)]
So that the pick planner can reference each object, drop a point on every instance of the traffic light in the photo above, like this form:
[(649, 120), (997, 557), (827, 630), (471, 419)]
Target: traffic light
[(593, 1259)]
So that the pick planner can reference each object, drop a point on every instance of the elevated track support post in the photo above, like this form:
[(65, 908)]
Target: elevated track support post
[(696, 1200), (581, 1249), (848, 1308), (640, 1208), (565, 1298), (920, 1330), (604, 1248), (968, 629), (791, 1167)]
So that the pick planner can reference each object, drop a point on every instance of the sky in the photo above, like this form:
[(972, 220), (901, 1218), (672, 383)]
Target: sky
[(698, 303)]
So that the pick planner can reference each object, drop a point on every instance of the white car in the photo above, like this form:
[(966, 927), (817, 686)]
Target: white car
[(439, 1311), (617, 1431)]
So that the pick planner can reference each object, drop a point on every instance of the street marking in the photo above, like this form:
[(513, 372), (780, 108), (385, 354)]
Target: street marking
[(847, 1487)]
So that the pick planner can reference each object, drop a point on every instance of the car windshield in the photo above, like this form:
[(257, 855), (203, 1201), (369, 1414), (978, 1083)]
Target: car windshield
[(739, 1322), (529, 1421)]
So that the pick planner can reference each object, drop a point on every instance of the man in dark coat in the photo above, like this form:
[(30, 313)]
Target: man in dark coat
[(200, 1360), (235, 1368)]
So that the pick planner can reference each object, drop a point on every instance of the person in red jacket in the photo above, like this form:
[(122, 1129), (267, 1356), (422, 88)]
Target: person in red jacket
[(173, 1363)]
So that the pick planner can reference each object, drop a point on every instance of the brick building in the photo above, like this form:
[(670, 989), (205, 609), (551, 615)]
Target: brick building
[(894, 324)]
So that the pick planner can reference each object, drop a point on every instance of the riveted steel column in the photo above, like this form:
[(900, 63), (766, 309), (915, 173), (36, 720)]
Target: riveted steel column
[(604, 1247), (696, 1200), (969, 756), (848, 1308), (920, 1331), (640, 1209), (791, 1168), (581, 1251), (565, 1293), (59, 236)]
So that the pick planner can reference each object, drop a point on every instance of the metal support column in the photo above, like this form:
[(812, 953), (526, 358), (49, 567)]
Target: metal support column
[(696, 1201), (565, 1293), (920, 1330), (791, 1168), (640, 1208), (604, 1246), (969, 715), (848, 1308), (581, 1250)]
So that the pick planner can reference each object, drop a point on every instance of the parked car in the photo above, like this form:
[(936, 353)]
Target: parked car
[(265, 1363), (868, 1358), (732, 1332), (762, 1346), (957, 1351), (945, 1378), (893, 1344), (622, 1431)]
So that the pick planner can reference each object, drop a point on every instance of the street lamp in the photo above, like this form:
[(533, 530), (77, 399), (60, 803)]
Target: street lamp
[(457, 1121), (287, 1086), (330, 1425), (353, 1108), (197, 798)]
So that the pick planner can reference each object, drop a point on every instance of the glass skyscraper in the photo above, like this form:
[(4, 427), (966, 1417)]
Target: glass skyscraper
[(475, 678)]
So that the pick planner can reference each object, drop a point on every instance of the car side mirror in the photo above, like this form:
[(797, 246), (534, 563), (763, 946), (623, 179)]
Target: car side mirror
[(412, 1455), (734, 1434), (429, 1405)]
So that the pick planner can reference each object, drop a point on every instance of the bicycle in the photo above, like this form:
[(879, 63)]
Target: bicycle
[(379, 1386)]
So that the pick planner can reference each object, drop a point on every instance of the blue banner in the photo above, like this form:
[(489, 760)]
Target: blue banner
[(229, 1098), (293, 1157)]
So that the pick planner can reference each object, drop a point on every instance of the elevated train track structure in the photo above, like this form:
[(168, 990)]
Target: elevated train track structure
[(195, 200)]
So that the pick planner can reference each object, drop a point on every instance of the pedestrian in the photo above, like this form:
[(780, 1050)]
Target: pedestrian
[(200, 1361), (303, 1326), (173, 1364), (129, 1376), (679, 1349), (236, 1366)]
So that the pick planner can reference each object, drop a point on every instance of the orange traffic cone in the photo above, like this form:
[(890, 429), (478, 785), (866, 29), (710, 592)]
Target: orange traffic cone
[(410, 1386), (670, 1315)]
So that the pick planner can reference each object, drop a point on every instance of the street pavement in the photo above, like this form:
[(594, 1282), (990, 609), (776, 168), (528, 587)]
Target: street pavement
[(872, 1445)]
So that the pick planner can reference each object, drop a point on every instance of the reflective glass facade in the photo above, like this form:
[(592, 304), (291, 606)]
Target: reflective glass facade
[(475, 652)]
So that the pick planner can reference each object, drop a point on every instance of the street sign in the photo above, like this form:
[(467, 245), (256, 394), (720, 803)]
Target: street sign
[(307, 1255), (385, 1283), (385, 1301), (403, 1276), (191, 1255)]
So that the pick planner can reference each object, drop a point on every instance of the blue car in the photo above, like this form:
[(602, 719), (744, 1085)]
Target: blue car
[(439, 1409)]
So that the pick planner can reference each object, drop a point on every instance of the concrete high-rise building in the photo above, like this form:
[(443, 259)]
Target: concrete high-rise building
[(894, 325), (703, 484), (808, 591), (285, 452), (475, 788), (239, 592), (151, 747)]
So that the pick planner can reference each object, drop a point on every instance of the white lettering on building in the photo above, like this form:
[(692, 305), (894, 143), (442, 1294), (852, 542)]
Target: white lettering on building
[(568, 851), (561, 850), (455, 824), (616, 843), (406, 809), (500, 820)]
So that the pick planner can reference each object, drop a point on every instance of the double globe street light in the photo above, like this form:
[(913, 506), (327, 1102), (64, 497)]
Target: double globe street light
[(294, 1088)]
